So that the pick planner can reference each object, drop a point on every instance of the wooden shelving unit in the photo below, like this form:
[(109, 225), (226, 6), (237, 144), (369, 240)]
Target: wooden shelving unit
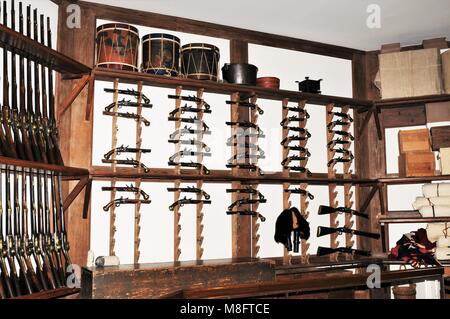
[(20, 44)]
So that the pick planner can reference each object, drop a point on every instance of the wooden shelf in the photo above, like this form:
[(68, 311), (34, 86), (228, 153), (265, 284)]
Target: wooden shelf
[(411, 101), (394, 179), (225, 88), (65, 170), (20, 44), (409, 217), (219, 176), (51, 294)]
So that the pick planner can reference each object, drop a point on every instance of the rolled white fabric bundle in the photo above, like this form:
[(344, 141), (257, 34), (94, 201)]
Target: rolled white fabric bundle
[(443, 242), (436, 230), (432, 201), (435, 211), (436, 190), (442, 253)]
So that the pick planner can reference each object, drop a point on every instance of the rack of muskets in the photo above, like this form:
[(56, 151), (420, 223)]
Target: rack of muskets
[(33, 237)]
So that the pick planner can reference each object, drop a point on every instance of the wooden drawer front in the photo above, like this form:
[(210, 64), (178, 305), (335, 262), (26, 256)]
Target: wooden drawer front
[(440, 137)]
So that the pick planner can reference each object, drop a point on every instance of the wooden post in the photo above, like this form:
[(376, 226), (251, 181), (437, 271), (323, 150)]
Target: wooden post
[(79, 44), (286, 195), (253, 141), (176, 196), (199, 208), (332, 193)]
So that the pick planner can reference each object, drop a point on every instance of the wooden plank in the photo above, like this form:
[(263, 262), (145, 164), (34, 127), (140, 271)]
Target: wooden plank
[(156, 20), (51, 294), (22, 45), (79, 86), (75, 192), (395, 180), (402, 117), (79, 44), (155, 280), (411, 101), (226, 88), (409, 216), (220, 176), (437, 112), (64, 170)]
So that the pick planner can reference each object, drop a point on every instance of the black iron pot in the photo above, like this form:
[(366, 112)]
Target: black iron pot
[(240, 73), (309, 86)]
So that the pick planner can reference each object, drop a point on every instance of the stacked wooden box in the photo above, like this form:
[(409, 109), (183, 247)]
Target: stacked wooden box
[(416, 157), (440, 137)]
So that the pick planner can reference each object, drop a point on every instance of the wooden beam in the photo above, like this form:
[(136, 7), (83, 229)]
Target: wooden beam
[(75, 131), (155, 20), (369, 198), (401, 117), (79, 86), (87, 199), (75, 192)]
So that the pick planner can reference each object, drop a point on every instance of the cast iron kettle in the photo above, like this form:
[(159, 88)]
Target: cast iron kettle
[(240, 73)]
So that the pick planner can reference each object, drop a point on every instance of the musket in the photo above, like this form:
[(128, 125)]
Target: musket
[(291, 138), (246, 125), (247, 190), (44, 119), (22, 116), (125, 103), (299, 130), (10, 243), (299, 169), (250, 167), (62, 220), (55, 233), (18, 242), (125, 149), (326, 210), (247, 213), (291, 119), (8, 144), (323, 231), (127, 189), (297, 109), (25, 251), (342, 115), (338, 141), (134, 93), (246, 201), (188, 109), (290, 159), (247, 104), (323, 251), (191, 142), (303, 150), (5, 277), (129, 115), (40, 243), (333, 124), (340, 160), (300, 191), (188, 189), (190, 99), (245, 155), (190, 164), (188, 130), (192, 120), (33, 246), (187, 152), (54, 134), (124, 201), (37, 100), (50, 235), (30, 119), (342, 133), (129, 161), (188, 201)]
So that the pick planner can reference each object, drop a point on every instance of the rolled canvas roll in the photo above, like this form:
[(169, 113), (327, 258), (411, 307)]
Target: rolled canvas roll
[(435, 211), (436, 231), (436, 190), (442, 253), (423, 201)]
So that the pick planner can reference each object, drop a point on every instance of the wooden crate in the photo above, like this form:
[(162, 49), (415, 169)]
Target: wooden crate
[(414, 141), (440, 137), (145, 281), (411, 73), (417, 164)]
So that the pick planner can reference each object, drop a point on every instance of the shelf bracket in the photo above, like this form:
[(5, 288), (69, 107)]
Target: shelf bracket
[(375, 111), (80, 85), (76, 191), (369, 197)]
